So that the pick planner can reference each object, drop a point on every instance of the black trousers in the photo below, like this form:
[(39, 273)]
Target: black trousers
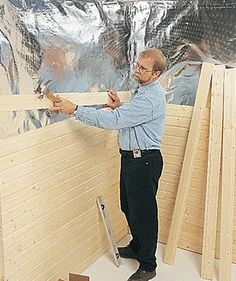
[(138, 187)]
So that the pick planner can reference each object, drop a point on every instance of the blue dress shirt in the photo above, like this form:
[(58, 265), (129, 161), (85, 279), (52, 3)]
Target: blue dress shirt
[(140, 121)]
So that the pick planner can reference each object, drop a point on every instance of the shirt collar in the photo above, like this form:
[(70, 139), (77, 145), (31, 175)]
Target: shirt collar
[(150, 84), (135, 91)]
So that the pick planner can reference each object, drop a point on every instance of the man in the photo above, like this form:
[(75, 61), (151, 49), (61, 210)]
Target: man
[(140, 123)]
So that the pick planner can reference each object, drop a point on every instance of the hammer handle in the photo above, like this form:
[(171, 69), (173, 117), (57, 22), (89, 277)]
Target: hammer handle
[(52, 97)]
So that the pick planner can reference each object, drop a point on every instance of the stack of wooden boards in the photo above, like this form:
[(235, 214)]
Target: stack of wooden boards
[(217, 86)]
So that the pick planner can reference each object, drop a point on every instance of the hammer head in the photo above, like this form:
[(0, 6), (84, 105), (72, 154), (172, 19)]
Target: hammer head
[(42, 88)]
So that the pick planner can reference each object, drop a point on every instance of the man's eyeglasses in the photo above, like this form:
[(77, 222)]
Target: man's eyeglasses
[(142, 69)]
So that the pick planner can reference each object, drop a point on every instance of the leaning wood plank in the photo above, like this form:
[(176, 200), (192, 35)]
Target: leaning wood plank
[(188, 162), (228, 173), (213, 173), (27, 102), (2, 258)]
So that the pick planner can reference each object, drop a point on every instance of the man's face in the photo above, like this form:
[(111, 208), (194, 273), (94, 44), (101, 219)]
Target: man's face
[(143, 71)]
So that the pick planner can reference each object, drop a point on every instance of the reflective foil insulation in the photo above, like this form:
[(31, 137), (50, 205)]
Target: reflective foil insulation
[(91, 45)]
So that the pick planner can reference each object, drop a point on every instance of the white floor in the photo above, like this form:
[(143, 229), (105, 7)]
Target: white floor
[(186, 268)]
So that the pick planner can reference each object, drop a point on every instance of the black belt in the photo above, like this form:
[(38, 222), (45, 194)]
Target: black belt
[(137, 153)]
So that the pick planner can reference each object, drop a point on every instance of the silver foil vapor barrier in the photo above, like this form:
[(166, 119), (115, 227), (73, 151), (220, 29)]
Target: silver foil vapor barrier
[(91, 45)]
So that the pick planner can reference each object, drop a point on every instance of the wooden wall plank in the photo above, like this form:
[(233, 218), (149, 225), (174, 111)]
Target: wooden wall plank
[(213, 173), (2, 254), (186, 173), (228, 169), (28, 102), (176, 110)]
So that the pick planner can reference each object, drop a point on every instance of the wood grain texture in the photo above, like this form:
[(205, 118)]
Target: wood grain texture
[(213, 173), (27, 102), (228, 176), (188, 164)]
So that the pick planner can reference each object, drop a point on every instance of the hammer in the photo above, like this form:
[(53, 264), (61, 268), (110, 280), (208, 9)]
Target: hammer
[(42, 89)]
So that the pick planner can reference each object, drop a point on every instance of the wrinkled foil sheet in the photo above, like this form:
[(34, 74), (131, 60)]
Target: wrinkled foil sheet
[(91, 45)]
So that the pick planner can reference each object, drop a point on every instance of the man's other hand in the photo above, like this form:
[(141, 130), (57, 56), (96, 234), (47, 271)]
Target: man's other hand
[(113, 99)]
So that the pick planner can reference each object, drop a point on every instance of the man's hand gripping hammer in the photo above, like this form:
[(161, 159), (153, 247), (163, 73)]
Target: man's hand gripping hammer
[(42, 90)]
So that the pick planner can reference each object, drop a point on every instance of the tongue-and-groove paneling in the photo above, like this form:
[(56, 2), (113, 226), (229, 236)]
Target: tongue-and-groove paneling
[(50, 179)]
